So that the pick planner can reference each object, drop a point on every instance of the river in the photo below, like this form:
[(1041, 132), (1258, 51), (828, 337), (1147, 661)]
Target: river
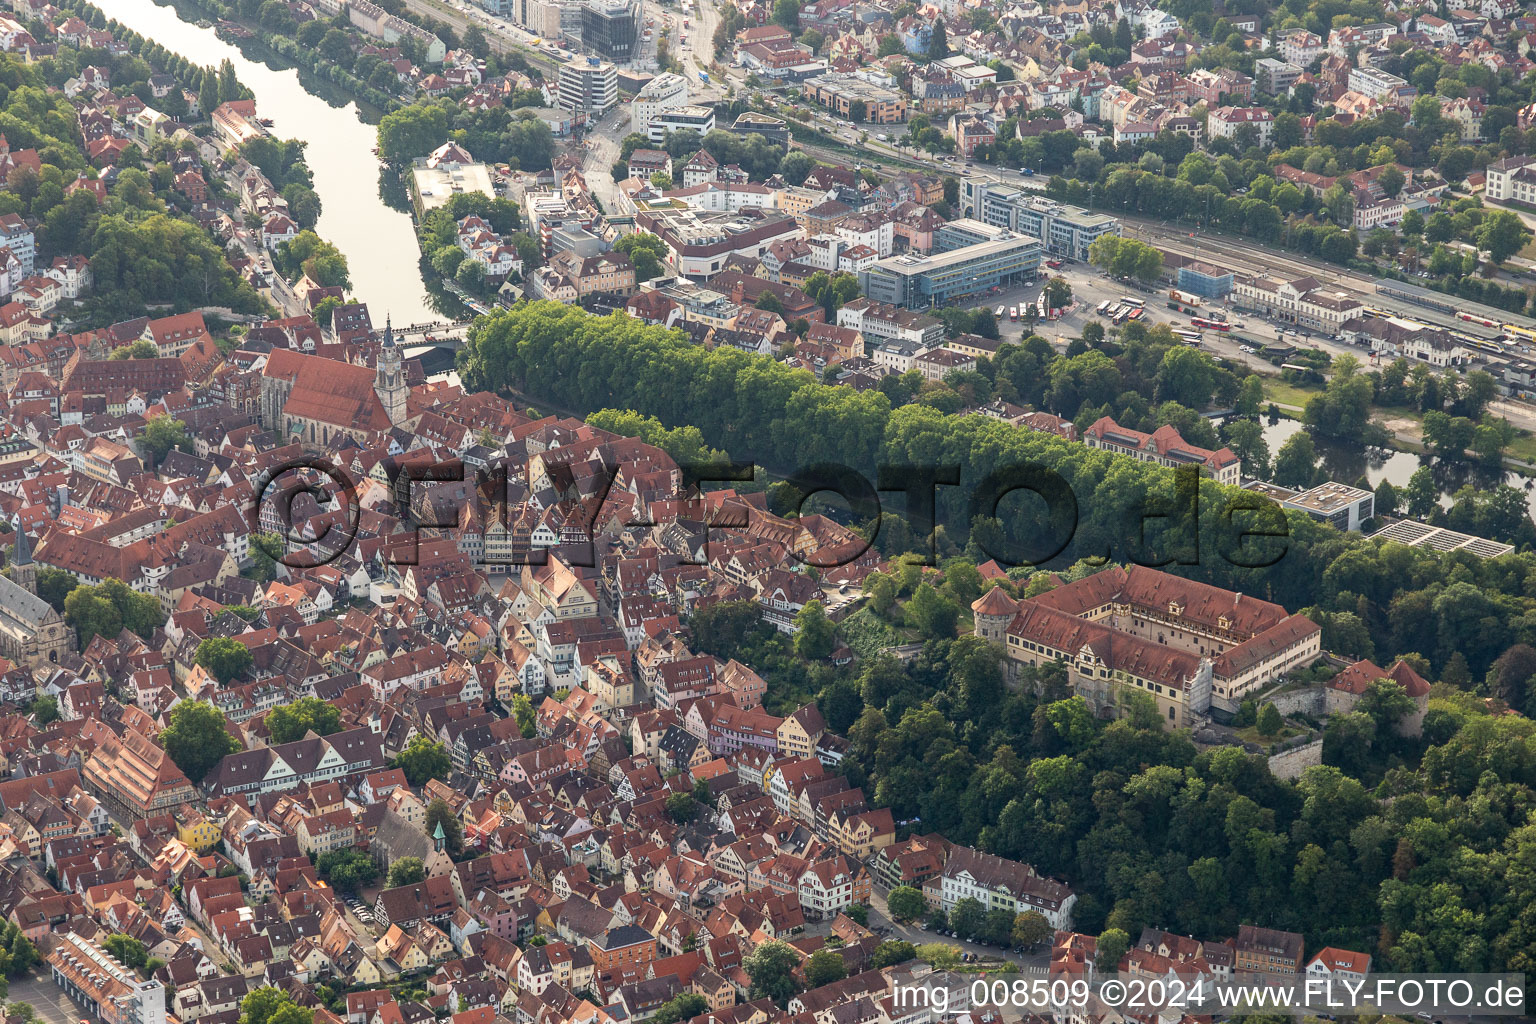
[(379, 243)]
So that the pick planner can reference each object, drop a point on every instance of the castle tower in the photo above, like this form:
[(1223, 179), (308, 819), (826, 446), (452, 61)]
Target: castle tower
[(993, 611), (390, 382), (23, 569)]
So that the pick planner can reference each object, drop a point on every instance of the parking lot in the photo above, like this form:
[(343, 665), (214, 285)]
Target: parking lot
[(47, 999)]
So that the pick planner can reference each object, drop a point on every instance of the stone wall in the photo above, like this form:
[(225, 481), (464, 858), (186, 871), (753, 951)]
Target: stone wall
[(1289, 764), (1309, 701)]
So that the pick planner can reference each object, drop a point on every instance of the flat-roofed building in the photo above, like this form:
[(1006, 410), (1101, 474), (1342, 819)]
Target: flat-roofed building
[(665, 91), (916, 281), (1337, 504), (1063, 230), (589, 84), (685, 118)]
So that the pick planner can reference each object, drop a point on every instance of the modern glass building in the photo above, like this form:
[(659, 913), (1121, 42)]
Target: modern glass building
[(958, 267), (1063, 230)]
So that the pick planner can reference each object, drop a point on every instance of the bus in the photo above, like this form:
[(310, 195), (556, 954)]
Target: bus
[(1211, 325), (1189, 337), (1102, 307), (1127, 300), (1013, 313), (1137, 313)]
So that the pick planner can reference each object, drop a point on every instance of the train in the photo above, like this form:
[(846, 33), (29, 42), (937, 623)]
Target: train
[(1519, 333), (1474, 318)]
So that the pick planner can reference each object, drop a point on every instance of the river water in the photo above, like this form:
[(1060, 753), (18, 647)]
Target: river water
[(379, 243), (1347, 464)]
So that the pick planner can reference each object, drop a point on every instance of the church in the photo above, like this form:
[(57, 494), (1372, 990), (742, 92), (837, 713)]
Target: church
[(314, 400), (31, 632)]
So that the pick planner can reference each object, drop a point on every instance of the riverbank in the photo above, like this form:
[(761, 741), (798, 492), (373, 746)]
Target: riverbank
[(313, 68), (378, 242)]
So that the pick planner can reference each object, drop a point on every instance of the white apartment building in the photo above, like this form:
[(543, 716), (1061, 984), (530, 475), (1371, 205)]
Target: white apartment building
[(589, 84), (1513, 178), (661, 93)]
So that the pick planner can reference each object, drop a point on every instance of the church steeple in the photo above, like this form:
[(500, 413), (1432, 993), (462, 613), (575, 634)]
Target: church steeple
[(23, 569), (389, 381)]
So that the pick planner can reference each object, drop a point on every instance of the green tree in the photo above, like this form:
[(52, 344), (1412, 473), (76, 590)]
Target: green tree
[(128, 951), (267, 551), (1030, 929), (45, 710), (647, 252), (770, 966), (1058, 292), (786, 14), (967, 917), (814, 633), (439, 813), (1296, 462), (267, 1005), (347, 870), (938, 42), (289, 722), (683, 1006), (906, 903), (1112, 945), (55, 585), (824, 967), (522, 710), (892, 952), (1186, 376), (932, 614), (1502, 234), (197, 738), (682, 807), (412, 131), (939, 956), (407, 871), (162, 433), (224, 658), (424, 759), (1421, 496), (1270, 722)]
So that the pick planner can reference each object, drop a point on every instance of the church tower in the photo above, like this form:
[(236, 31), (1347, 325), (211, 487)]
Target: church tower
[(23, 569), (390, 382)]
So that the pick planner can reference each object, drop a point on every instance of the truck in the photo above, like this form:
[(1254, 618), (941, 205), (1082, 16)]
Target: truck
[(1183, 300), (883, 137), (704, 77)]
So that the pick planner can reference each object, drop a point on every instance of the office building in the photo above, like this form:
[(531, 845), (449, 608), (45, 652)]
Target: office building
[(917, 281), (589, 84), (663, 92), (608, 28), (686, 118), (1338, 505), (774, 129), (1063, 230)]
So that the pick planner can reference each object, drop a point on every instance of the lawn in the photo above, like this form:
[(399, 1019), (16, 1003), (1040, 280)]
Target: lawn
[(1523, 447), (1283, 393), (1250, 734)]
